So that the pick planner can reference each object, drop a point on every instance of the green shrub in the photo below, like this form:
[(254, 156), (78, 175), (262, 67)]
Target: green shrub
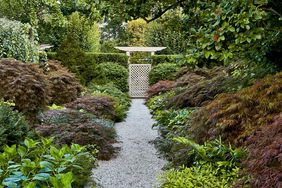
[(204, 176), (85, 30), (73, 57), (159, 59), (18, 41), (52, 55), (122, 100), (41, 164), (245, 72), (213, 151), (170, 124), (158, 102), (112, 73), (13, 127), (108, 46), (140, 58), (213, 165), (97, 58), (165, 71), (86, 65)]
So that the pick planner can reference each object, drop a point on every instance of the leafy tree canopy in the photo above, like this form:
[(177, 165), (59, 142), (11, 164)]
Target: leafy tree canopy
[(49, 17)]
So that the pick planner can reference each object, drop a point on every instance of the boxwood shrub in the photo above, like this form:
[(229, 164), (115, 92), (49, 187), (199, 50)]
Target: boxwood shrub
[(158, 59), (165, 71), (119, 58), (112, 73), (12, 125), (97, 58)]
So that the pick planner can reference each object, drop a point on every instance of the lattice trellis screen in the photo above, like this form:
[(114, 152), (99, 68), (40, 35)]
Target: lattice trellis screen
[(138, 79)]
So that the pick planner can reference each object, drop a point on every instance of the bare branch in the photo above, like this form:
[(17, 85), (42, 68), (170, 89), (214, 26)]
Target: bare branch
[(178, 2)]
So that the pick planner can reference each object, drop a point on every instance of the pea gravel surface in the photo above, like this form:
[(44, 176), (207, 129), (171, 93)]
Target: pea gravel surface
[(137, 164)]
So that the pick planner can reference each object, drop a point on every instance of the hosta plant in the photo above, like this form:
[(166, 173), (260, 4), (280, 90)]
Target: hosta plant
[(214, 165), (41, 164)]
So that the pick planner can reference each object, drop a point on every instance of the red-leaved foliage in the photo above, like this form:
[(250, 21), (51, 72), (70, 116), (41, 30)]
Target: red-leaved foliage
[(159, 87), (190, 77), (65, 87), (236, 116), (200, 86), (25, 85), (71, 126), (101, 106), (264, 161)]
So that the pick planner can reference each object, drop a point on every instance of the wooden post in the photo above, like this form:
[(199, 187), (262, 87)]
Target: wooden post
[(128, 54)]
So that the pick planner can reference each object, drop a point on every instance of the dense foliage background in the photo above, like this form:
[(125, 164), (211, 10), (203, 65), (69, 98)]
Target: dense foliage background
[(215, 90)]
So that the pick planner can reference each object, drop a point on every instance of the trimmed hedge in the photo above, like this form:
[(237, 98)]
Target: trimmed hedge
[(112, 73), (98, 58), (122, 58), (158, 59), (165, 71), (52, 55)]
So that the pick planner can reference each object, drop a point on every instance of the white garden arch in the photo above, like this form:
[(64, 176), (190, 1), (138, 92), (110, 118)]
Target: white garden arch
[(139, 73)]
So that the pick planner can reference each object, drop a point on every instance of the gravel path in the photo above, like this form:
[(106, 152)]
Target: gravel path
[(137, 164)]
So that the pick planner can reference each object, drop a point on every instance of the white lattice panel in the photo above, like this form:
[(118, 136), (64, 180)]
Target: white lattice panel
[(138, 79)]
